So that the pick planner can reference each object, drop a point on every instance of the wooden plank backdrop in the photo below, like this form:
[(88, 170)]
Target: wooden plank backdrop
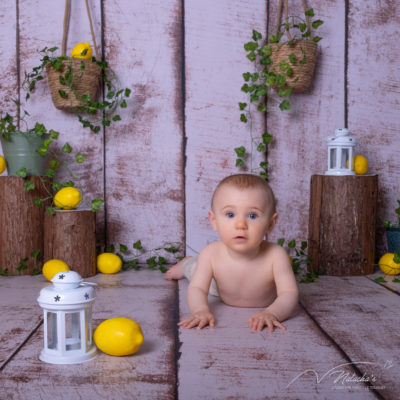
[(183, 60)]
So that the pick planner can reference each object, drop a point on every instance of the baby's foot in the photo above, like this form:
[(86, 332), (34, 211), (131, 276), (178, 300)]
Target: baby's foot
[(175, 272)]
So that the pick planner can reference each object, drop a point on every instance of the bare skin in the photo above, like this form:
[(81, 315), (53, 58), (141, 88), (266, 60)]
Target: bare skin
[(249, 271)]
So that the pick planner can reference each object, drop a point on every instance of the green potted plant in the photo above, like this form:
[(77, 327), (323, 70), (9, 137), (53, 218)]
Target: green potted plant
[(393, 232), (70, 90), (280, 69), (29, 152)]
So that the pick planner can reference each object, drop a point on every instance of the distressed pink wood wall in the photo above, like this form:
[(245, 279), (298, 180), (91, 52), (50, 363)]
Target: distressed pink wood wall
[(183, 60)]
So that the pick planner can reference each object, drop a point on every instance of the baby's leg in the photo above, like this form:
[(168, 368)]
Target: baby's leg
[(175, 272)]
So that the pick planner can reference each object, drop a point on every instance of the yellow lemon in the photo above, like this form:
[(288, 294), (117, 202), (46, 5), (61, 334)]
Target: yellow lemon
[(118, 336), (54, 266), (360, 165), (67, 198), (3, 164), (108, 263), (388, 265), (82, 50)]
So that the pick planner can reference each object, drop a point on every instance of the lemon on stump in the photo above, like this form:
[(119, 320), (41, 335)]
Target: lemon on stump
[(82, 50), (108, 263), (54, 266), (3, 164), (389, 263), (118, 336), (67, 198), (360, 165)]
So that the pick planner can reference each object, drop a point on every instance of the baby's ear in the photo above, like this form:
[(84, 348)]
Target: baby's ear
[(272, 222), (211, 216)]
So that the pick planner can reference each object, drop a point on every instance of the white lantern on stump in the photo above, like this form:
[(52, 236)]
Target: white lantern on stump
[(340, 153), (67, 313)]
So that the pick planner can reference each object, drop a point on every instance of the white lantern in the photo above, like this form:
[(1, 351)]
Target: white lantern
[(67, 313), (340, 153)]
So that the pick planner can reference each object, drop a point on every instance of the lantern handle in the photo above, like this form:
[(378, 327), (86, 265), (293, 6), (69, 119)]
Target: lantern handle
[(89, 284)]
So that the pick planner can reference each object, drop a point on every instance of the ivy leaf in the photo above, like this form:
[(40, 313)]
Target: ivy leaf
[(256, 35), (110, 249), (151, 262), (266, 137), (309, 13), (292, 244), (262, 148), (123, 104), (316, 39), (116, 118), (317, 23), (54, 134), (281, 241), (138, 245), (50, 173), (96, 204), (67, 148), (62, 94), (22, 172), (240, 151), (246, 76), (251, 56), (292, 58), (262, 107), (38, 203), (80, 158), (171, 249), (396, 280), (239, 163), (251, 46), (242, 106), (380, 280), (29, 186), (243, 118), (123, 248), (285, 105), (127, 92)]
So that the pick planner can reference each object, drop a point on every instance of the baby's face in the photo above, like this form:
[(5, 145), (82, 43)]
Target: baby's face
[(242, 218)]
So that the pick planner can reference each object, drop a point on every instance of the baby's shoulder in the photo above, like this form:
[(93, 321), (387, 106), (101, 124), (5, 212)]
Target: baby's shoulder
[(273, 250), (211, 249)]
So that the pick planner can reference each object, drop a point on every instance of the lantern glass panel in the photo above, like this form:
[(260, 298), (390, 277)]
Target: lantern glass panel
[(332, 158), (72, 331), (345, 158), (51, 330)]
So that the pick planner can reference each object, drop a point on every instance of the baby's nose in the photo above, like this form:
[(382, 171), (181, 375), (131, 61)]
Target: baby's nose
[(241, 223)]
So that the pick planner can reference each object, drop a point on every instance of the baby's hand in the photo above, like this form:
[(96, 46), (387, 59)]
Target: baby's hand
[(199, 319), (264, 318)]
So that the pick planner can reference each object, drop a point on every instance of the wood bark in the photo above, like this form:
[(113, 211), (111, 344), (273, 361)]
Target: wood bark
[(21, 223), (71, 236), (342, 224)]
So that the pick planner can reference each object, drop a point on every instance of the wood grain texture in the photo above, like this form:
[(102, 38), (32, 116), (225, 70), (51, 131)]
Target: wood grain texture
[(299, 148), (342, 224), (41, 24), (71, 236), (143, 296), (215, 60), (21, 222), (144, 160), (232, 361), (373, 97), (360, 315)]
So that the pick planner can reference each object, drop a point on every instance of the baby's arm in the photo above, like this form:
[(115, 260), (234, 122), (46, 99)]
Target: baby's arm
[(287, 295), (197, 294)]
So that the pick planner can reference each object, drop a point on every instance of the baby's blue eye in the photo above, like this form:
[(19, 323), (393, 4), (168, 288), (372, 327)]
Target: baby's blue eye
[(252, 216), (230, 214)]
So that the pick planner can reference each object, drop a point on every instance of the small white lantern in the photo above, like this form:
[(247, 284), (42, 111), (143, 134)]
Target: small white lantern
[(340, 153), (67, 313)]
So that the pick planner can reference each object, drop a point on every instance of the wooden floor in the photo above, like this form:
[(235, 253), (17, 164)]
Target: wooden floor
[(342, 343)]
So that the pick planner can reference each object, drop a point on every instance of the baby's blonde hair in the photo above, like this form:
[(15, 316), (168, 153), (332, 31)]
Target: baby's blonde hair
[(248, 181)]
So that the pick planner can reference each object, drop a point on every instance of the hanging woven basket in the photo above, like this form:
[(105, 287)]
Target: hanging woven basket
[(85, 74), (305, 53)]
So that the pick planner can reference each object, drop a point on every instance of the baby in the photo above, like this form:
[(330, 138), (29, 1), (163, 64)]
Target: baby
[(243, 268)]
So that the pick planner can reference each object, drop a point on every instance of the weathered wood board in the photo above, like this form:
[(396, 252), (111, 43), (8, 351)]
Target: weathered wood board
[(299, 148), (362, 317), (144, 161), (373, 96), (232, 361), (143, 296), (215, 60)]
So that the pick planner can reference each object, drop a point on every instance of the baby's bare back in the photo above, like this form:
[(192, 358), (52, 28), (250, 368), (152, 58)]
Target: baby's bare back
[(244, 282)]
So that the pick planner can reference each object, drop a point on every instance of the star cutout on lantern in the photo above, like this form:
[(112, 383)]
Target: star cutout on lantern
[(87, 296), (62, 276), (57, 298)]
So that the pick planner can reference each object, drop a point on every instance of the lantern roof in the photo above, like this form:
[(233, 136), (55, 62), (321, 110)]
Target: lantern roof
[(342, 138), (68, 289)]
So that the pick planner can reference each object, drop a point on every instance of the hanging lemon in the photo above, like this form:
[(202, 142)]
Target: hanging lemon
[(3, 164), (67, 198), (54, 266), (108, 263), (390, 264), (360, 165), (118, 336), (82, 50)]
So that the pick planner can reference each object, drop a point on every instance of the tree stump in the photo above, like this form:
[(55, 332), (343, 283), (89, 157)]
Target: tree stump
[(342, 223), (70, 235), (21, 223)]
